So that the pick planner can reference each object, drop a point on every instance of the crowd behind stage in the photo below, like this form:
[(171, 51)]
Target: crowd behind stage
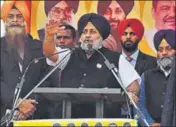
[(148, 80)]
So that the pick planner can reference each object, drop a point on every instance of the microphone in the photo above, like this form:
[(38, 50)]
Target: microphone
[(78, 45), (36, 60), (89, 46), (20, 85), (117, 76), (44, 78)]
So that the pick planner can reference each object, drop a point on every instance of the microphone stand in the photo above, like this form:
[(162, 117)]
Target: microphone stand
[(117, 76), (17, 94), (8, 118), (43, 79)]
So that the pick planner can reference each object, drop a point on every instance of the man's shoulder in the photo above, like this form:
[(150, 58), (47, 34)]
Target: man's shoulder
[(33, 39), (3, 42), (109, 52), (152, 71), (146, 56), (34, 43)]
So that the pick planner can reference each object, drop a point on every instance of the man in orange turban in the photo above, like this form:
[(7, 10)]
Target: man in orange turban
[(18, 49), (22, 6), (130, 33)]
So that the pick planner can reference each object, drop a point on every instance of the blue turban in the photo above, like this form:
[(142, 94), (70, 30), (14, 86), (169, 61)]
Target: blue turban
[(100, 23), (168, 35)]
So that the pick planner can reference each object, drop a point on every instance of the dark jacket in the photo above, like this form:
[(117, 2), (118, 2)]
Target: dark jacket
[(144, 62), (11, 75), (88, 73), (169, 110)]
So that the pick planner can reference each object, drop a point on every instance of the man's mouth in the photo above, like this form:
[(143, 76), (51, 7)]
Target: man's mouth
[(128, 42), (114, 25), (170, 20), (87, 41), (15, 25)]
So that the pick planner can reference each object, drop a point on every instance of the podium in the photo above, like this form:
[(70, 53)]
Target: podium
[(69, 95)]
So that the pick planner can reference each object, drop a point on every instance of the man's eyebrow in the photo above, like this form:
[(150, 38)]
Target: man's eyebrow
[(109, 9), (14, 14), (68, 8), (118, 8), (162, 6)]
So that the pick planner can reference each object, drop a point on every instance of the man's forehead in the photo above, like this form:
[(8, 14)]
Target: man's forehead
[(14, 11), (64, 32), (114, 4), (129, 29), (165, 3), (62, 5)]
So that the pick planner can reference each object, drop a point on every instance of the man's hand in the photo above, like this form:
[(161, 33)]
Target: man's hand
[(133, 96), (20, 116), (51, 28), (27, 107), (110, 43), (155, 124)]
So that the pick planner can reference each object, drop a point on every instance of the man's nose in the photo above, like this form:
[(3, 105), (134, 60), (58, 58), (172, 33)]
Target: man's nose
[(87, 34), (62, 40), (62, 16), (128, 36), (114, 16), (14, 19), (164, 53)]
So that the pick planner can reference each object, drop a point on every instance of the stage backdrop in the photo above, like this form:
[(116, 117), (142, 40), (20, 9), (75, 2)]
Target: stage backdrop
[(74, 9)]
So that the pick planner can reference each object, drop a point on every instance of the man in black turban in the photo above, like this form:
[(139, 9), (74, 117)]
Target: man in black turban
[(156, 80), (85, 66), (60, 11), (169, 36), (114, 11), (169, 111), (97, 21)]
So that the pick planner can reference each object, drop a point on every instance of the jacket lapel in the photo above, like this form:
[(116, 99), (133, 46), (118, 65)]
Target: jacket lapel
[(140, 63), (31, 51)]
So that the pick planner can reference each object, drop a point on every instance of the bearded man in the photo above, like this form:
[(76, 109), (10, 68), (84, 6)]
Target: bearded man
[(18, 49), (60, 11), (114, 11), (155, 81), (130, 33), (85, 66)]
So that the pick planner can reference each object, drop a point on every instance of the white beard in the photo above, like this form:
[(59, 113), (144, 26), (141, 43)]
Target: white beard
[(15, 30), (95, 45), (165, 62)]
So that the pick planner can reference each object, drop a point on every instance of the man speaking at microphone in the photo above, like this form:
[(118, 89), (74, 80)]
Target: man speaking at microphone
[(85, 66), (18, 49)]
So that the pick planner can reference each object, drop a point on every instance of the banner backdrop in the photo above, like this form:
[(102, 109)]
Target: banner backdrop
[(153, 15)]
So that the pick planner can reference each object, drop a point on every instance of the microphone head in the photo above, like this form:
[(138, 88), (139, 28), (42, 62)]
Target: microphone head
[(78, 44), (89, 46), (36, 60)]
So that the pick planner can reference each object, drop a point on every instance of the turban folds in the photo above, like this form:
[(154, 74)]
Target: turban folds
[(168, 35), (126, 5), (22, 6), (50, 4), (135, 24), (100, 23)]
